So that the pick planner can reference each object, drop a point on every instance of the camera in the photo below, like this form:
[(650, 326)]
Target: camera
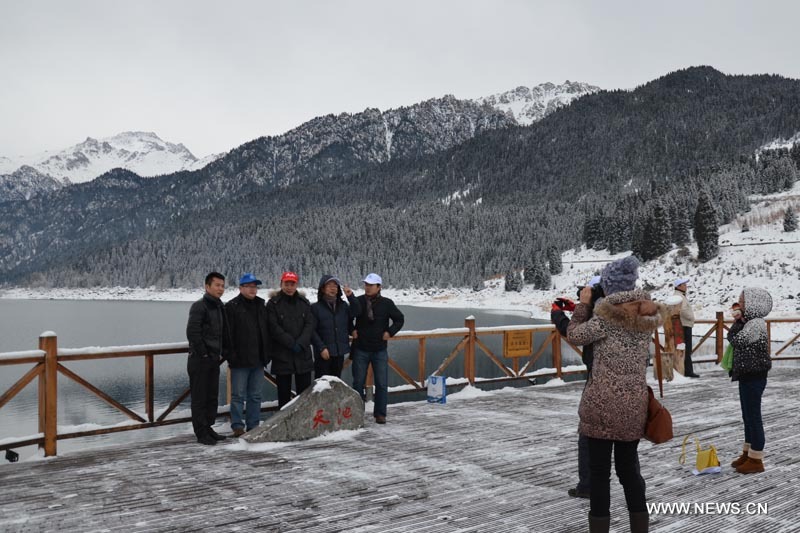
[(597, 292)]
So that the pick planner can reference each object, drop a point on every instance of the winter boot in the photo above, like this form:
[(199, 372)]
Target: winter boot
[(754, 463), (742, 458), (599, 524), (640, 522)]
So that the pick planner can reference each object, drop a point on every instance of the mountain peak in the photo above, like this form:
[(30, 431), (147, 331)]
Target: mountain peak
[(531, 104)]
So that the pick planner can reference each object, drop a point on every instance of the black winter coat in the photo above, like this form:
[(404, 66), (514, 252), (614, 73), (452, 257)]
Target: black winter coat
[(333, 330), (207, 329), (249, 332), (290, 323), (370, 332)]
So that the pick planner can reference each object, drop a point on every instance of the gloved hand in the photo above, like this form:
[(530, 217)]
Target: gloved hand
[(563, 304), (297, 348)]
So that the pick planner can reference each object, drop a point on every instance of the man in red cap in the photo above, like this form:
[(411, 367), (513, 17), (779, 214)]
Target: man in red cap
[(291, 324)]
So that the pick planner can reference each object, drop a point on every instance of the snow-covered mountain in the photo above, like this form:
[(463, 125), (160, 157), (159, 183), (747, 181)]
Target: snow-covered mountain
[(24, 183), (531, 104), (144, 153)]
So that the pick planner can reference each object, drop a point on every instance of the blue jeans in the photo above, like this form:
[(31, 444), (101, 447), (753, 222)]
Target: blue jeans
[(750, 393), (246, 385), (380, 371)]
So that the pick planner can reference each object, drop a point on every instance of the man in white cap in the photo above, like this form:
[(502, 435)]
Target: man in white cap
[(371, 332), (687, 321)]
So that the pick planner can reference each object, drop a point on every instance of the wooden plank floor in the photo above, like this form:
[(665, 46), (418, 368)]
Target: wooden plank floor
[(496, 463)]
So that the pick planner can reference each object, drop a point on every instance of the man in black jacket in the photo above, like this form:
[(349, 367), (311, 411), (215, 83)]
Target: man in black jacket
[(249, 333), (369, 342), (561, 321), (209, 341), (290, 326)]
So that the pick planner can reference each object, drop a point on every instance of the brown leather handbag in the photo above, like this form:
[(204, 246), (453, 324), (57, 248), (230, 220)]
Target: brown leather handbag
[(659, 422)]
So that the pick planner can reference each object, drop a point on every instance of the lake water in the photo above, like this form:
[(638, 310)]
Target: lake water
[(113, 323)]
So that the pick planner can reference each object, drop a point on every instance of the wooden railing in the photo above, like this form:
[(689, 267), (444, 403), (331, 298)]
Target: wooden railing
[(48, 359)]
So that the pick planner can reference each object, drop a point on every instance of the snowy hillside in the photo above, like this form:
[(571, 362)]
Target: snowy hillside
[(144, 153), (531, 104)]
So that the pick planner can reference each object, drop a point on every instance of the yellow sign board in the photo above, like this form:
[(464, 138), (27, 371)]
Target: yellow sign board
[(518, 343)]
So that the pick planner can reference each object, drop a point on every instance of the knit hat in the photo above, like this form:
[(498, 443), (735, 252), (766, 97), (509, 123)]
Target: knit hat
[(620, 275)]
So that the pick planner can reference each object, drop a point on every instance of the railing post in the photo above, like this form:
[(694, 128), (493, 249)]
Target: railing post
[(720, 336), (48, 342), (149, 393), (469, 352), (421, 361), (769, 337), (556, 349)]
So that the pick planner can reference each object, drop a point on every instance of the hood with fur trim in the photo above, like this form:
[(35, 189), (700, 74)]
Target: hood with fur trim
[(633, 310)]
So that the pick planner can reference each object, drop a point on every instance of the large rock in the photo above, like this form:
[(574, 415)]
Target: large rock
[(328, 405)]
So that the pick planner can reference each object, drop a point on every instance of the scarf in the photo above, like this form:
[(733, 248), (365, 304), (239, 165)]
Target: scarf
[(370, 302)]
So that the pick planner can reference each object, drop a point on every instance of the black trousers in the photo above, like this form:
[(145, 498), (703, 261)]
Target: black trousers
[(688, 370), (204, 385), (626, 464), (331, 367), (301, 383)]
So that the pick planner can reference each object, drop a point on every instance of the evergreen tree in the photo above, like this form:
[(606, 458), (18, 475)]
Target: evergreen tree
[(554, 260), (658, 237), (789, 220), (530, 272), (510, 281), (519, 282), (679, 219), (706, 229)]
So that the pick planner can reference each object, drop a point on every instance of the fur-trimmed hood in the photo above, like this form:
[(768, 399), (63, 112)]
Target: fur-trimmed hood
[(632, 310)]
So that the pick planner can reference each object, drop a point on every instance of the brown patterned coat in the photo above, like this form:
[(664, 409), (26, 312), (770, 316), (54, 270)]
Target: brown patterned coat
[(614, 402)]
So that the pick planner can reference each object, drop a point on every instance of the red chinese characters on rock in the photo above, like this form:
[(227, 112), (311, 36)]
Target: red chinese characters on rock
[(341, 415)]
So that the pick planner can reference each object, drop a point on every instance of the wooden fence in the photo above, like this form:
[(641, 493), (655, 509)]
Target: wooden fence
[(48, 363)]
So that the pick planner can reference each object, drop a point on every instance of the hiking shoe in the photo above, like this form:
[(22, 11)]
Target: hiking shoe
[(575, 493), (238, 432), (380, 419), (216, 436), (208, 440)]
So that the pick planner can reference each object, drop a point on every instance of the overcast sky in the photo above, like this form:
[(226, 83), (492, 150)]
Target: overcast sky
[(213, 75)]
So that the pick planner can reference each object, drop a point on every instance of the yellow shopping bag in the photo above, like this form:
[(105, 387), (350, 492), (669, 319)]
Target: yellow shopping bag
[(706, 462)]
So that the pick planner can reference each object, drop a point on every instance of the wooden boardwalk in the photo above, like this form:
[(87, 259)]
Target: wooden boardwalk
[(501, 462)]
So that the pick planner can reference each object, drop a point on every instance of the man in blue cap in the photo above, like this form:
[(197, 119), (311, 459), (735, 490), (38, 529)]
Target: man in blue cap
[(247, 314)]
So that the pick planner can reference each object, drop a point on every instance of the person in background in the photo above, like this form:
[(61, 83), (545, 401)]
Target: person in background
[(247, 314), (687, 321), (209, 341), (370, 336), (334, 320), (613, 408), (290, 326), (559, 318), (751, 364)]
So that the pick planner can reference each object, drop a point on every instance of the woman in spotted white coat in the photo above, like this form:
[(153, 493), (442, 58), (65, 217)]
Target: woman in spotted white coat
[(613, 408)]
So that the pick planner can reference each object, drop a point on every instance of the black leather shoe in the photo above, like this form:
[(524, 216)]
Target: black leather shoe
[(215, 435), (575, 493), (692, 376), (208, 440)]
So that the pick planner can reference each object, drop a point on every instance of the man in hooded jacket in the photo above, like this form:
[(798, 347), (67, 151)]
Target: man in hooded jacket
[(334, 319)]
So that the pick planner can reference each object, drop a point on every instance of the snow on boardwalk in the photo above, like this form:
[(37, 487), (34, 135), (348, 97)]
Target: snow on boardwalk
[(496, 462)]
